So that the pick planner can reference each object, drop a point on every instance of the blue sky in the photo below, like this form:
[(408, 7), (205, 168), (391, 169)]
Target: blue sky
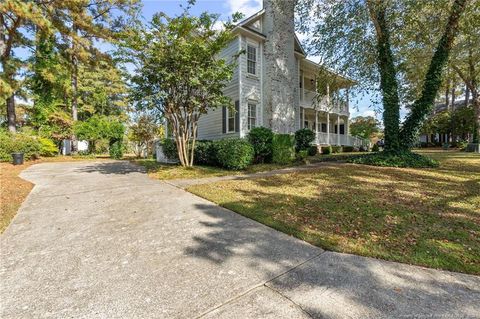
[(359, 106)]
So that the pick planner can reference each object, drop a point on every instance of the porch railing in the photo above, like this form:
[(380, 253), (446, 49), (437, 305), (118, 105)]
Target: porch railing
[(340, 139), (308, 99)]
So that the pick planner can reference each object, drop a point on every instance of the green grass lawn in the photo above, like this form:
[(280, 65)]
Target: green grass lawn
[(428, 217), (173, 171)]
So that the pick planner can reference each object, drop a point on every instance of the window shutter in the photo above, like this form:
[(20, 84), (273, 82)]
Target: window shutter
[(224, 119), (237, 116)]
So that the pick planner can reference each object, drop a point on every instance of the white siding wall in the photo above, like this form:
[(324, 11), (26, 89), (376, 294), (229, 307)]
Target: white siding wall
[(251, 89), (210, 124)]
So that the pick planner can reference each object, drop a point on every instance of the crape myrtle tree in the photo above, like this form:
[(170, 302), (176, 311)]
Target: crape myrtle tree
[(178, 73), (355, 36)]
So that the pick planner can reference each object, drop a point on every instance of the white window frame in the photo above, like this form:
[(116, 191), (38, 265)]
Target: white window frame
[(255, 62), (230, 115), (249, 117)]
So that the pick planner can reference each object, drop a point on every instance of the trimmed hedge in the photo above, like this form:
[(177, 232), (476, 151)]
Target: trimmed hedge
[(205, 153), (261, 139), (169, 148), (283, 148), (326, 150), (336, 149), (234, 153), (303, 139), (19, 142), (348, 149)]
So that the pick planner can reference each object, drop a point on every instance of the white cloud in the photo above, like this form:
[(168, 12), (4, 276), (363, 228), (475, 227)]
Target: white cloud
[(368, 113), (247, 7)]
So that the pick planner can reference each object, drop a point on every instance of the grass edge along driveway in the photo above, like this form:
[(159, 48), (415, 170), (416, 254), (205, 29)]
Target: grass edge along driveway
[(427, 217)]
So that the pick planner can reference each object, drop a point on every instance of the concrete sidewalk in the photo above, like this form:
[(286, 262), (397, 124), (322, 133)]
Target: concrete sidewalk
[(102, 240)]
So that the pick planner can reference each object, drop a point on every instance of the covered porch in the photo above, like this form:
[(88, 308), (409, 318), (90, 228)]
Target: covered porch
[(330, 128)]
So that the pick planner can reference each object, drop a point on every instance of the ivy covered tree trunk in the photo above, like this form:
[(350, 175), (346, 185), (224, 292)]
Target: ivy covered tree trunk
[(388, 80), (433, 79)]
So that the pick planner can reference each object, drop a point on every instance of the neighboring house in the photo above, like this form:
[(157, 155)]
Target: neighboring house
[(438, 137), (275, 85)]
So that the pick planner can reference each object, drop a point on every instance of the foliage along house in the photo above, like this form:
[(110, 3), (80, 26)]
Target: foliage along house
[(276, 86)]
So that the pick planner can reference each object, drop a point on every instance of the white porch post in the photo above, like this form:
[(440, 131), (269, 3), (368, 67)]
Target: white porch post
[(347, 130), (338, 130), (328, 114), (303, 86), (303, 118), (316, 122)]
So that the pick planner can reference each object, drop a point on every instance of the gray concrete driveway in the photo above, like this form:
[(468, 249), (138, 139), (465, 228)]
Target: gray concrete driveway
[(102, 240)]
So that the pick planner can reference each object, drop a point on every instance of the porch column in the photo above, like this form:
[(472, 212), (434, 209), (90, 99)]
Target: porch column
[(303, 118), (328, 128), (316, 122), (338, 130), (303, 86)]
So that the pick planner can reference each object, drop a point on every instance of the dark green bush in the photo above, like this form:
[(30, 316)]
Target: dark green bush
[(283, 148), (19, 142), (375, 148), (261, 139), (48, 147), (302, 155), (336, 149), (234, 153), (116, 149), (395, 159), (313, 150), (205, 153), (169, 148), (304, 139), (348, 149), (326, 150)]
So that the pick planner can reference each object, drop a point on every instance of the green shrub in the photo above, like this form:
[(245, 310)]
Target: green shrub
[(313, 150), (19, 142), (261, 139), (235, 153), (375, 148), (116, 149), (48, 148), (283, 148), (304, 139), (462, 145), (205, 153), (169, 148), (337, 149), (348, 149), (326, 150), (395, 159), (302, 155)]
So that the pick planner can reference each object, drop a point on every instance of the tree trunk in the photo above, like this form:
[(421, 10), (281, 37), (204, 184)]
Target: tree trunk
[(388, 80), (433, 79), (74, 84), (476, 108), (467, 95), (12, 118)]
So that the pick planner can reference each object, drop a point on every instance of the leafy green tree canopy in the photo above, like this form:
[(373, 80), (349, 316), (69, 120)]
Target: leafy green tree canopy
[(179, 74)]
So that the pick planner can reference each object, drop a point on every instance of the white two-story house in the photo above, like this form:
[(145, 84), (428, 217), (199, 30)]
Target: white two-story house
[(275, 85)]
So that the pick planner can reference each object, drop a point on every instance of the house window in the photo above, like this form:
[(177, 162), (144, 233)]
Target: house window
[(251, 59), (231, 121), (324, 127), (252, 115), (342, 129)]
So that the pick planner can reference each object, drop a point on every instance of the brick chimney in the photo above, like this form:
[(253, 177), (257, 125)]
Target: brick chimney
[(281, 77)]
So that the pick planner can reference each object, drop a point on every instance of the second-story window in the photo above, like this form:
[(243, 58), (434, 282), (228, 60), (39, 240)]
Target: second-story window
[(251, 59)]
